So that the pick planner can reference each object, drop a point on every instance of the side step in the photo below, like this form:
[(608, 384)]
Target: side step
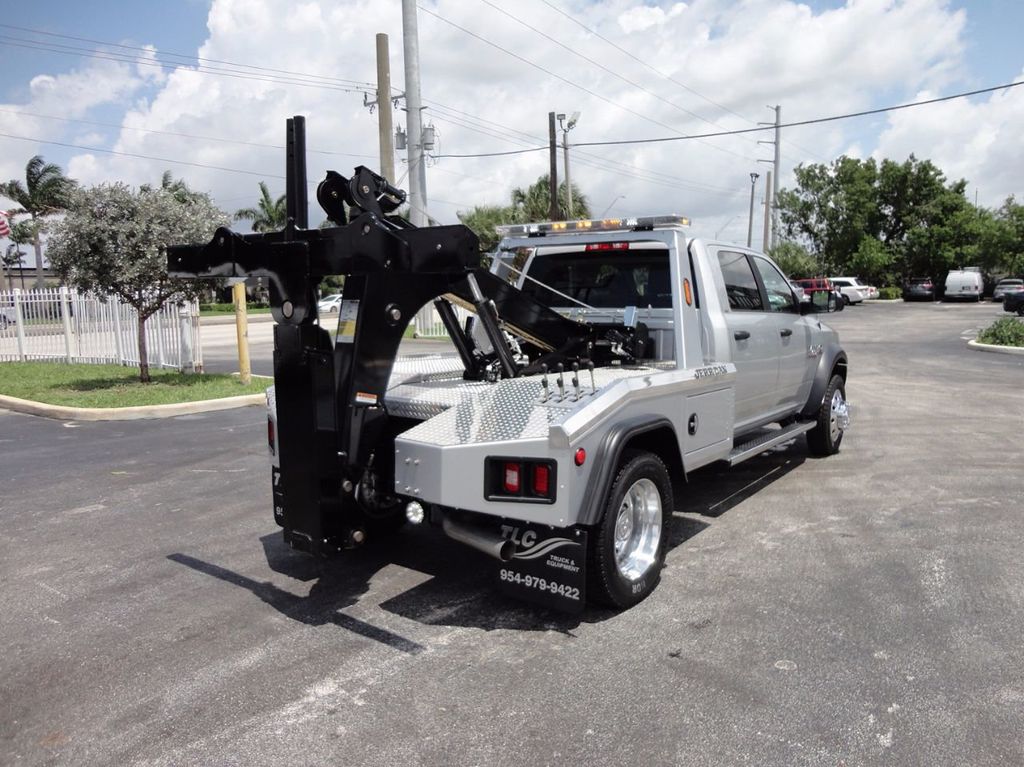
[(767, 438)]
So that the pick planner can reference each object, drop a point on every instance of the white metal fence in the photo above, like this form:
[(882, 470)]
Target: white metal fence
[(57, 324), (427, 323)]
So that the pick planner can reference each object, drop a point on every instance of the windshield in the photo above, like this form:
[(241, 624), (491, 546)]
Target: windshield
[(602, 280)]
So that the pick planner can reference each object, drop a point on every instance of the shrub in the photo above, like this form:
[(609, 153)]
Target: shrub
[(890, 293), (1003, 332)]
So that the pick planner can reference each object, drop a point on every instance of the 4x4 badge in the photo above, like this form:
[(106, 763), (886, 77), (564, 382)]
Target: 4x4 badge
[(814, 351)]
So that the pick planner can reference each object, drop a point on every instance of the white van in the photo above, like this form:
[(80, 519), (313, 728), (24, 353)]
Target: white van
[(963, 284)]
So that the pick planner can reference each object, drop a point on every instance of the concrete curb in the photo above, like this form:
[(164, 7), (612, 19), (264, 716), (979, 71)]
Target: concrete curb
[(994, 348), (229, 319), (64, 413)]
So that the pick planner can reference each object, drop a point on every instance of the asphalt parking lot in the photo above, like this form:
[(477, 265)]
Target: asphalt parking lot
[(862, 609)]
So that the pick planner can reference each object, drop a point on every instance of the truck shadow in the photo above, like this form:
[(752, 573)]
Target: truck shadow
[(455, 593)]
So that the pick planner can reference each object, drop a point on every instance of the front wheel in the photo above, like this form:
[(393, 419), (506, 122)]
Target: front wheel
[(833, 418), (628, 552)]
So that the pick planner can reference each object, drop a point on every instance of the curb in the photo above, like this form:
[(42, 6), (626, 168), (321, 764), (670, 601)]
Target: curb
[(994, 348), (64, 413), (229, 319)]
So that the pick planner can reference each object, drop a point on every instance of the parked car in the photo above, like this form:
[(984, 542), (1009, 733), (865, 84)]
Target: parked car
[(1005, 287), (963, 284), (918, 289), (329, 304), (854, 291), (1014, 302), (804, 294), (7, 316), (813, 284)]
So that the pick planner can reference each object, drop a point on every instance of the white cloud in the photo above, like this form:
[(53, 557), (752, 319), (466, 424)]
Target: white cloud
[(740, 56)]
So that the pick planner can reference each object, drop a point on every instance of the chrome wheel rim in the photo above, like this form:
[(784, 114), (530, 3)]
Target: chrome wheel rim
[(839, 418), (638, 530)]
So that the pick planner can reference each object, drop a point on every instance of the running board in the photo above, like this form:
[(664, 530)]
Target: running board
[(767, 439)]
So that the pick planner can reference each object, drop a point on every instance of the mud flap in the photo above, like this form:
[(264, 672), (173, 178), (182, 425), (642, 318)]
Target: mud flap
[(548, 568)]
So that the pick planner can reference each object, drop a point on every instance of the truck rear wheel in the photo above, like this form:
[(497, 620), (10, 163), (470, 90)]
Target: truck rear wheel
[(833, 418), (628, 550)]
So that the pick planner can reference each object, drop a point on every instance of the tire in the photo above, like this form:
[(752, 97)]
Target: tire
[(628, 550), (833, 417), (846, 299), (1020, 310)]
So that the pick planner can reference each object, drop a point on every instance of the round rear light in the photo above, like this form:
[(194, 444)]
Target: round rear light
[(580, 457)]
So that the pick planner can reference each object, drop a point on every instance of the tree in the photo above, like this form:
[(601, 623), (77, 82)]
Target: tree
[(794, 260), (883, 221), (46, 191), (114, 241), (527, 205), (176, 186), (269, 215)]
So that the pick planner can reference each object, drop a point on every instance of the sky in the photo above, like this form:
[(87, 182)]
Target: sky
[(121, 91)]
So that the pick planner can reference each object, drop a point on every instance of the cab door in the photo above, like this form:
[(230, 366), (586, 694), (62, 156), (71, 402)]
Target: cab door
[(793, 331), (753, 337)]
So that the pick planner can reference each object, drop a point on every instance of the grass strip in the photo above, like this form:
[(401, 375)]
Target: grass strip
[(114, 386)]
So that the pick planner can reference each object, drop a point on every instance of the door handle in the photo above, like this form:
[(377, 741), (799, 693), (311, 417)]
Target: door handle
[(786, 333), (741, 335)]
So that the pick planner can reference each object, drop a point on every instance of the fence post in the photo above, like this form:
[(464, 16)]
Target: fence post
[(118, 341), (65, 316), (19, 323), (159, 338), (186, 362), (197, 336)]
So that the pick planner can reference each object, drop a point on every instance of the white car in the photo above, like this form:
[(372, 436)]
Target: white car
[(329, 304), (854, 291), (7, 316)]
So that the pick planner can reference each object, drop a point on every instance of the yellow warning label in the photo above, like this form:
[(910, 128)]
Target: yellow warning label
[(348, 315)]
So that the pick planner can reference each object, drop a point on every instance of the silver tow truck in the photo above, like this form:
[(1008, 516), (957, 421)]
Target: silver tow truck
[(595, 364)]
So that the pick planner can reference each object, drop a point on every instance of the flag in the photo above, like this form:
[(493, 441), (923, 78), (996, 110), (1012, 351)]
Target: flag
[(5, 230)]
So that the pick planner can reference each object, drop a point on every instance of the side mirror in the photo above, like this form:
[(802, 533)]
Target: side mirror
[(820, 301)]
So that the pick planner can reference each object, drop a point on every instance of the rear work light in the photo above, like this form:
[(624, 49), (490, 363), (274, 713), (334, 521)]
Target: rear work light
[(521, 480)]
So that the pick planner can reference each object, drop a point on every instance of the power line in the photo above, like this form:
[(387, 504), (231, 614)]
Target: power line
[(566, 80), (177, 134), (68, 50), (814, 121), (141, 156), (186, 56)]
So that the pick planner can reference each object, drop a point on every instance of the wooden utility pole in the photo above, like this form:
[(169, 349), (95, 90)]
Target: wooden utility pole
[(553, 173), (385, 124)]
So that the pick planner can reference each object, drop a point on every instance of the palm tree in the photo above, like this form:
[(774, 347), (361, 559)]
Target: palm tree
[(269, 215), (533, 202), (177, 187), (46, 190)]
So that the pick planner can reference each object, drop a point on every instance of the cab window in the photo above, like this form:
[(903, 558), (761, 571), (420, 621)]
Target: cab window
[(780, 292), (740, 285)]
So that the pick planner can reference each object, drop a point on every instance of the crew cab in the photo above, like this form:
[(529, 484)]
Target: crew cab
[(602, 362)]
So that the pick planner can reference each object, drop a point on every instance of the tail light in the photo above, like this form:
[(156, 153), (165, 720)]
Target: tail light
[(271, 436), (511, 478), (529, 480), (607, 246)]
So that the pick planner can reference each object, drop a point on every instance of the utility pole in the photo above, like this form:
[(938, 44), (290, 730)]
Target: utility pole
[(775, 167), (553, 172), (565, 128), (767, 210), (750, 222), (384, 118), (414, 118), (775, 176)]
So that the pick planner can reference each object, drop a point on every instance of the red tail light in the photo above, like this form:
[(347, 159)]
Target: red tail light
[(541, 480), (511, 479), (608, 246), (270, 434)]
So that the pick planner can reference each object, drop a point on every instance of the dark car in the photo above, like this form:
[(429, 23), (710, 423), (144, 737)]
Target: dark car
[(919, 289), (1014, 302)]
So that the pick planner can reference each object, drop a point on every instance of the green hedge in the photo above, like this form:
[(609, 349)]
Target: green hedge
[(1003, 332), (230, 308), (890, 293)]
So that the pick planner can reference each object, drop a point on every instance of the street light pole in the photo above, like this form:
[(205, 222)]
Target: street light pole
[(750, 223), (565, 148)]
